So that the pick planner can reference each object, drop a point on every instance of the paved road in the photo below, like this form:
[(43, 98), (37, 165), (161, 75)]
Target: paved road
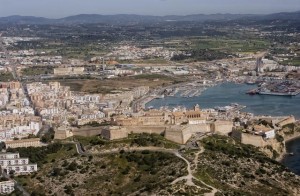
[(79, 148)]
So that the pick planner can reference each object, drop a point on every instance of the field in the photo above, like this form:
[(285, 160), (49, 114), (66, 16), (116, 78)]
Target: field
[(119, 84), (292, 62), (6, 77), (37, 70), (230, 45)]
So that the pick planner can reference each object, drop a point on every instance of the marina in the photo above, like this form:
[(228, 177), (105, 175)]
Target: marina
[(224, 94), (276, 88), (189, 90)]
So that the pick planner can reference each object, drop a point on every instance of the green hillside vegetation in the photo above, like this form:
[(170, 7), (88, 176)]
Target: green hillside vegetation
[(226, 164), (110, 169), (6, 77), (114, 174)]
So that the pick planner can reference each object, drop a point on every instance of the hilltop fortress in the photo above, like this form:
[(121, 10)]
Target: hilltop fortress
[(176, 126)]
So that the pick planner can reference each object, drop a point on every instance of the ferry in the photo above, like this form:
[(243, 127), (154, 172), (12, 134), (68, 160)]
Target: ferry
[(277, 93)]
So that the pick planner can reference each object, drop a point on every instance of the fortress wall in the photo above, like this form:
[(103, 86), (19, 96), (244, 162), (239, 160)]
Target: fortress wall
[(254, 140), (86, 132), (222, 127), (186, 135), (61, 135), (115, 133), (146, 129), (199, 128), (175, 136), (237, 135), (286, 121)]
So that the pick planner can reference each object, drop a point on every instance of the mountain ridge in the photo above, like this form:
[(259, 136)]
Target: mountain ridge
[(135, 18)]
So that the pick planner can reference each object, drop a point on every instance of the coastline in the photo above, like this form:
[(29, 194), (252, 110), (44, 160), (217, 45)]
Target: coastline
[(292, 137), (287, 139)]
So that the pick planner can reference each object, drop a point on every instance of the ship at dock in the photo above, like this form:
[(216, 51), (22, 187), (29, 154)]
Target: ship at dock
[(265, 91), (278, 93), (276, 88)]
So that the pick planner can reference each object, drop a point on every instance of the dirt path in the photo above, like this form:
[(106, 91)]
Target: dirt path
[(197, 158), (189, 178)]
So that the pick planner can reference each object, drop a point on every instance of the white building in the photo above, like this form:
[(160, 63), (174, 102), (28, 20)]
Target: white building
[(6, 187), (269, 134), (9, 156), (12, 162), (197, 121), (23, 131), (22, 169), (24, 110), (15, 161), (266, 132)]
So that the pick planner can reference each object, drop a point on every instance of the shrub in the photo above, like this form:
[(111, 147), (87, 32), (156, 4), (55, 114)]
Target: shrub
[(72, 166), (279, 138)]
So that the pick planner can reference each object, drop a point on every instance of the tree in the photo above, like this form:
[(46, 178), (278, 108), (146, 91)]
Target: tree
[(2, 146), (49, 136), (279, 138)]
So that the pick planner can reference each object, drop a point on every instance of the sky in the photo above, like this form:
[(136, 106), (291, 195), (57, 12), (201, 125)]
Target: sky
[(62, 8)]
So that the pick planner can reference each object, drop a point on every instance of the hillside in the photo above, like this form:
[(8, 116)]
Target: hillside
[(220, 166)]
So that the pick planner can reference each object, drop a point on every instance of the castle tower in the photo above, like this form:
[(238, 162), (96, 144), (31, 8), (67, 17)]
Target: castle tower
[(197, 108)]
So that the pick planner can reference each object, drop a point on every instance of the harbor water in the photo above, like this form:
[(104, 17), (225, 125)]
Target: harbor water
[(227, 93)]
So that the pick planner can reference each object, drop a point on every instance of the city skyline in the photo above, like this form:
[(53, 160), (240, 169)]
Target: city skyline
[(56, 9)]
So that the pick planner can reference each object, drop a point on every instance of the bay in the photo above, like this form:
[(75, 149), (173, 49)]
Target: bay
[(227, 93)]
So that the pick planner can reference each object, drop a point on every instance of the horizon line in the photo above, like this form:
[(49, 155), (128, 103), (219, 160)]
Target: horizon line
[(218, 13)]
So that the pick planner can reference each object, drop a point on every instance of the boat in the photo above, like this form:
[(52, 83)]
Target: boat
[(276, 93), (160, 97), (150, 107), (252, 92), (251, 82)]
